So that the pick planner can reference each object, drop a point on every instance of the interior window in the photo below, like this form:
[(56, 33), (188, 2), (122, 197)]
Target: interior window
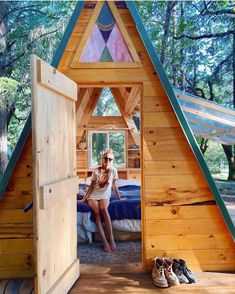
[(98, 141)]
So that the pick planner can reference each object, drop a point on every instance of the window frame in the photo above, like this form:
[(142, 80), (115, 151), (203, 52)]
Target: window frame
[(89, 139)]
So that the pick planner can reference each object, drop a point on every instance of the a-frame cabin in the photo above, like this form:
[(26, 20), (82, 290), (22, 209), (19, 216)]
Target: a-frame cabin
[(183, 215)]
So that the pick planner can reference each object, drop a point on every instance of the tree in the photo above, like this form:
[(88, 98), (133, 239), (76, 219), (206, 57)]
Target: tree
[(200, 39), (25, 27)]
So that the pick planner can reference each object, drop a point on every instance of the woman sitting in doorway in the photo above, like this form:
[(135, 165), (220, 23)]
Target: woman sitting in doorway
[(98, 196)]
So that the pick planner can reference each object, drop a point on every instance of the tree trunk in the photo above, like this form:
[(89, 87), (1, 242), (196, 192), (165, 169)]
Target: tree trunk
[(204, 145), (182, 52), (3, 139), (228, 150), (173, 51), (166, 28)]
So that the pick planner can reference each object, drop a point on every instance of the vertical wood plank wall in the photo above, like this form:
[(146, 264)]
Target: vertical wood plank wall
[(180, 217), (16, 226)]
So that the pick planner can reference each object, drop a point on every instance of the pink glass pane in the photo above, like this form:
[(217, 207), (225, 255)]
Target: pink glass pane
[(117, 47), (94, 47)]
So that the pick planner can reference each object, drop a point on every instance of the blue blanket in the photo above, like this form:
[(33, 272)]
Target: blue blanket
[(120, 209)]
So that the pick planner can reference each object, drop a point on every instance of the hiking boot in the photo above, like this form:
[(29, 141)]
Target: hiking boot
[(170, 275), (158, 275), (187, 272), (177, 269)]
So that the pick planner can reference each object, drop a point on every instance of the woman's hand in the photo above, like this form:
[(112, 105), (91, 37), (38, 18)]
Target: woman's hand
[(81, 200)]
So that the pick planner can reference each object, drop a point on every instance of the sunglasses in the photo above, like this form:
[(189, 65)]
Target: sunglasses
[(108, 159)]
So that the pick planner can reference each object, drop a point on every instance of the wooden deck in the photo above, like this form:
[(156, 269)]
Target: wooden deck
[(130, 278)]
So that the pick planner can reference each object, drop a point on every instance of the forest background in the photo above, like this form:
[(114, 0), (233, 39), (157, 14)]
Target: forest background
[(195, 41)]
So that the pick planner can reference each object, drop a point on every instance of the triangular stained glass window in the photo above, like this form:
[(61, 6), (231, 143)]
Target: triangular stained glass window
[(106, 105), (106, 43)]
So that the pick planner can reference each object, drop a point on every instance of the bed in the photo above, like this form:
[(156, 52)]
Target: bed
[(125, 214)]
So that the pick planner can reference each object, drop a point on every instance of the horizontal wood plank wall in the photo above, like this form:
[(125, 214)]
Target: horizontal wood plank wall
[(171, 176), (16, 226)]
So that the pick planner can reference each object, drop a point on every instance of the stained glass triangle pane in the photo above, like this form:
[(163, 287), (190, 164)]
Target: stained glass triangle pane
[(106, 32), (106, 105), (106, 56)]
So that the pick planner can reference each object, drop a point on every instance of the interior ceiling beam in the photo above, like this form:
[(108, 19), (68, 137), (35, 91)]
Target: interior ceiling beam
[(133, 100), (86, 105), (120, 95)]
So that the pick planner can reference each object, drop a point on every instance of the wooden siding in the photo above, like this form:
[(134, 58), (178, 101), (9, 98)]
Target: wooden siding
[(170, 173), (16, 226)]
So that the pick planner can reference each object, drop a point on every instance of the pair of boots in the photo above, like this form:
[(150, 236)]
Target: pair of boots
[(171, 272)]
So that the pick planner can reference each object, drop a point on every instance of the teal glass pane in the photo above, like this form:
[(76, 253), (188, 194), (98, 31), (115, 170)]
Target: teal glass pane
[(106, 56)]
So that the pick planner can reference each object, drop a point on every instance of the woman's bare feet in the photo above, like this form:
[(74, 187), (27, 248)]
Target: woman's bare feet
[(112, 245), (107, 248)]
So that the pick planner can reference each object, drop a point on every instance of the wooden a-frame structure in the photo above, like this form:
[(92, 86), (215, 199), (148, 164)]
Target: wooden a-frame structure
[(183, 215)]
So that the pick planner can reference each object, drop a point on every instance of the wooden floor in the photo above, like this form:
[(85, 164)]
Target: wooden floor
[(129, 278)]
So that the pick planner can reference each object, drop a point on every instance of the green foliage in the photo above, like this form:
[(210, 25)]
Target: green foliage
[(31, 27), (100, 141), (216, 159), (8, 90), (106, 105), (13, 95), (198, 59)]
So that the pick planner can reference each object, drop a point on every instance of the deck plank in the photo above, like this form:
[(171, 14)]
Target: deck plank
[(130, 278)]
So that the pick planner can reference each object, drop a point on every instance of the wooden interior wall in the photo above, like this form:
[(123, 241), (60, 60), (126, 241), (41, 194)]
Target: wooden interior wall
[(180, 217), (16, 226)]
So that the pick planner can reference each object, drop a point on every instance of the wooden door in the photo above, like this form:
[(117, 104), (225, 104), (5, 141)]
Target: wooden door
[(55, 181)]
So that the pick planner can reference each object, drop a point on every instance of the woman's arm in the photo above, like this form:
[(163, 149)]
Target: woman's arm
[(89, 191), (115, 189)]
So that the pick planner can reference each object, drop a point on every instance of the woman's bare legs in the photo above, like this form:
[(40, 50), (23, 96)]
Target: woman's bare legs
[(103, 205), (95, 208)]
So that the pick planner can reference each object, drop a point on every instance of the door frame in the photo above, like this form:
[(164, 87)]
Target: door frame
[(129, 85)]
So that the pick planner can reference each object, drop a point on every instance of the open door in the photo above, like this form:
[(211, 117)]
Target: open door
[(55, 181)]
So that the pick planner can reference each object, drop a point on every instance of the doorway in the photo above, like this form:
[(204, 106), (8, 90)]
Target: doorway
[(108, 117)]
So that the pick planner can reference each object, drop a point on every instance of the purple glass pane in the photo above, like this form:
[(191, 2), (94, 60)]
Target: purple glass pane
[(105, 34), (117, 47), (94, 47)]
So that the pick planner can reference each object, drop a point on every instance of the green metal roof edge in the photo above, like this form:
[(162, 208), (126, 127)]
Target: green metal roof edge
[(179, 113), (28, 125)]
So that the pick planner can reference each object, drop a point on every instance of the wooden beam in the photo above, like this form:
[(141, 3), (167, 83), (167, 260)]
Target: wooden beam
[(205, 103), (132, 100), (228, 132), (111, 122), (209, 116), (128, 119), (209, 137), (199, 123), (87, 105), (107, 65)]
